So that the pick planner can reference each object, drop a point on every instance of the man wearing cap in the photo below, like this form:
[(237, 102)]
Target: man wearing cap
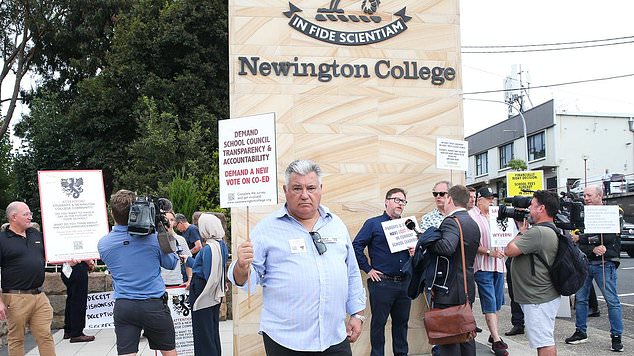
[(489, 270), (436, 216)]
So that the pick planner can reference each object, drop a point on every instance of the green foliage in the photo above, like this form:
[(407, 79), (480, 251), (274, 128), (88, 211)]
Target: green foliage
[(134, 89), (7, 176), (184, 193), (517, 164)]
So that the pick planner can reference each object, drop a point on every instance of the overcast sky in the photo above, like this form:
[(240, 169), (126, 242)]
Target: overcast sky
[(515, 22)]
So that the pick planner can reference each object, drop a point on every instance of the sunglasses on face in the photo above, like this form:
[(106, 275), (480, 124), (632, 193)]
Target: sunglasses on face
[(319, 244), (435, 194)]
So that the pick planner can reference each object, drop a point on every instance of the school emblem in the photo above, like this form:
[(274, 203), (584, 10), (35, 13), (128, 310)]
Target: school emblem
[(367, 13)]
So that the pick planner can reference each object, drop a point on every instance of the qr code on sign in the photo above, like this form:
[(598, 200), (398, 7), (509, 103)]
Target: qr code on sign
[(231, 196), (78, 245)]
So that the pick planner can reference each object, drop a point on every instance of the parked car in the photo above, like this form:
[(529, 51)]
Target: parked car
[(627, 238), (618, 184)]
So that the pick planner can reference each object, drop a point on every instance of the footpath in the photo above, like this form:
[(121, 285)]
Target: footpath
[(598, 343)]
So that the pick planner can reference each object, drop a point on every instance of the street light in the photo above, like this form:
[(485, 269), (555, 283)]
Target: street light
[(585, 170)]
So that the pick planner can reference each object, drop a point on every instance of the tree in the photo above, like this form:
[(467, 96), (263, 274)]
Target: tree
[(517, 164), (23, 25), (7, 178)]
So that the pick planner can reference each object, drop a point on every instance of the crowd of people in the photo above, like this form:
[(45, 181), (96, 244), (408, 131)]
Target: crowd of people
[(313, 299)]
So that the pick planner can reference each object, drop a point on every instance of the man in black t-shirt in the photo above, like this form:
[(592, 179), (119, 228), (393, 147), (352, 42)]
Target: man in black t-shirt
[(22, 275)]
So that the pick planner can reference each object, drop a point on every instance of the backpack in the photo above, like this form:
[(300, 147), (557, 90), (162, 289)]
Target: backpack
[(569, 271)]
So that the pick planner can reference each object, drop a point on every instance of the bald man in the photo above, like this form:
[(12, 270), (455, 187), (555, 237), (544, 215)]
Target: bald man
[(22, 275)]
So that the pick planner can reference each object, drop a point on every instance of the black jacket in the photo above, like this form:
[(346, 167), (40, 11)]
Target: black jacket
[(449, 246)]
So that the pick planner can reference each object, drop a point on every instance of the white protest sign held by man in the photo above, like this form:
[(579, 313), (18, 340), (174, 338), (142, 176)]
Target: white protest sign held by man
[(601, 219), (398, 236), (74, 215), (500, 237), (247, 161)]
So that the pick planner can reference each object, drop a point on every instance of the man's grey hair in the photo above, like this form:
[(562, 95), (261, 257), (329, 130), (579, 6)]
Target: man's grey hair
[(12, 208), (597, 190), (445, 182), (302, 167), (180, 218)]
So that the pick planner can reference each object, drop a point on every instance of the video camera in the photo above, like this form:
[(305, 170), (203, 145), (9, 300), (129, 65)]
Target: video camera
[(569, 217), (147, 215)]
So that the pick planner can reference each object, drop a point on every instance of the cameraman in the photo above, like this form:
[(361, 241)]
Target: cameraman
[(140, 299), (603, 253)]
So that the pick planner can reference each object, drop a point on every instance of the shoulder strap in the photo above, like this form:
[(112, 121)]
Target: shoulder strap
[(539, 257), (464, 263)]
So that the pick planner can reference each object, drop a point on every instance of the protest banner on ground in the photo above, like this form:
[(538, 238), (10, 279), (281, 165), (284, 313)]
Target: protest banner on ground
[(247, 161), (99, 315), (74, 215)]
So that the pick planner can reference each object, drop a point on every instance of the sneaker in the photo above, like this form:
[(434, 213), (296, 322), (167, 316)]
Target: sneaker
[(617, 345), (579, 338), (499, 348)]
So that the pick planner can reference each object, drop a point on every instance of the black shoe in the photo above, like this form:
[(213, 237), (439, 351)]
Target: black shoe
[(595, 313), (478, 330), (515, 330), (499, 348), (66, 335), (617, 345), (579, 338), (82, 338)]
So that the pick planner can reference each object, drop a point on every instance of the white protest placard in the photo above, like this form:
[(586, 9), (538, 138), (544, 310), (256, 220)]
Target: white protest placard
[(247, 161), (99, 311), (181, 315), (398, 236), (498, 236), (601, 219), (452, 154), (74, 215)]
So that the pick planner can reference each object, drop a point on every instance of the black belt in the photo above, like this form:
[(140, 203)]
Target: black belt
[(392, 278), (22, 291)]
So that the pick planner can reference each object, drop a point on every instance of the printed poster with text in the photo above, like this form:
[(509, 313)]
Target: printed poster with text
[(248, 162), (526, 180), (500, 233), (398, 236), (452, 154), (74, 215)]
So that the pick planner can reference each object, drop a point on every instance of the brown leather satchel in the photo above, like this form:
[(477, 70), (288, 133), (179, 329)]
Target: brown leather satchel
[(456, 324)]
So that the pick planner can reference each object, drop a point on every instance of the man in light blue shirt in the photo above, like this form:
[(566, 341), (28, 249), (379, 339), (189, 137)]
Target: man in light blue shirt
[(139, 291), (302, 256)]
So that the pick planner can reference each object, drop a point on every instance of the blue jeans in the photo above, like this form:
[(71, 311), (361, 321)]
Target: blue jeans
[(389, 298), (595, 271)]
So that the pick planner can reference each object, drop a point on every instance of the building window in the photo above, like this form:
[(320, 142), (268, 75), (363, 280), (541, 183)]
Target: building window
[(506, 155), (536, 147), (482, 164)]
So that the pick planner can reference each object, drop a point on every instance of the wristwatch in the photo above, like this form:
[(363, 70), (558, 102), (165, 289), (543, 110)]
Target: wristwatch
[(358, 316), (488, 252)]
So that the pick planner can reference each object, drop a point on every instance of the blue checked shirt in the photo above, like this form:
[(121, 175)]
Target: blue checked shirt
[(306, 296)]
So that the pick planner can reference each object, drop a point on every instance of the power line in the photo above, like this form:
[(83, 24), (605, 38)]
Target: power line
[(552, 44), (553, 85), (548, 49)]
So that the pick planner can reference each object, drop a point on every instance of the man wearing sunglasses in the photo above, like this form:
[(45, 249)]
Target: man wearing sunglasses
[(386, 281), (436, 216), (302, 256)]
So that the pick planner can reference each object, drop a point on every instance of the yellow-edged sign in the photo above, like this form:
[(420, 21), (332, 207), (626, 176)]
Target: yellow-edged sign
[(527, 180)]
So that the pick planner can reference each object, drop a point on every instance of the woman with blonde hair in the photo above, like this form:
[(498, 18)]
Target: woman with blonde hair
[(207, 287)]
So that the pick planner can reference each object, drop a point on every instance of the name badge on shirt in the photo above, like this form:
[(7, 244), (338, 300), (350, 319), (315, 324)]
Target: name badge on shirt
[(329, 239), (297, 245)]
